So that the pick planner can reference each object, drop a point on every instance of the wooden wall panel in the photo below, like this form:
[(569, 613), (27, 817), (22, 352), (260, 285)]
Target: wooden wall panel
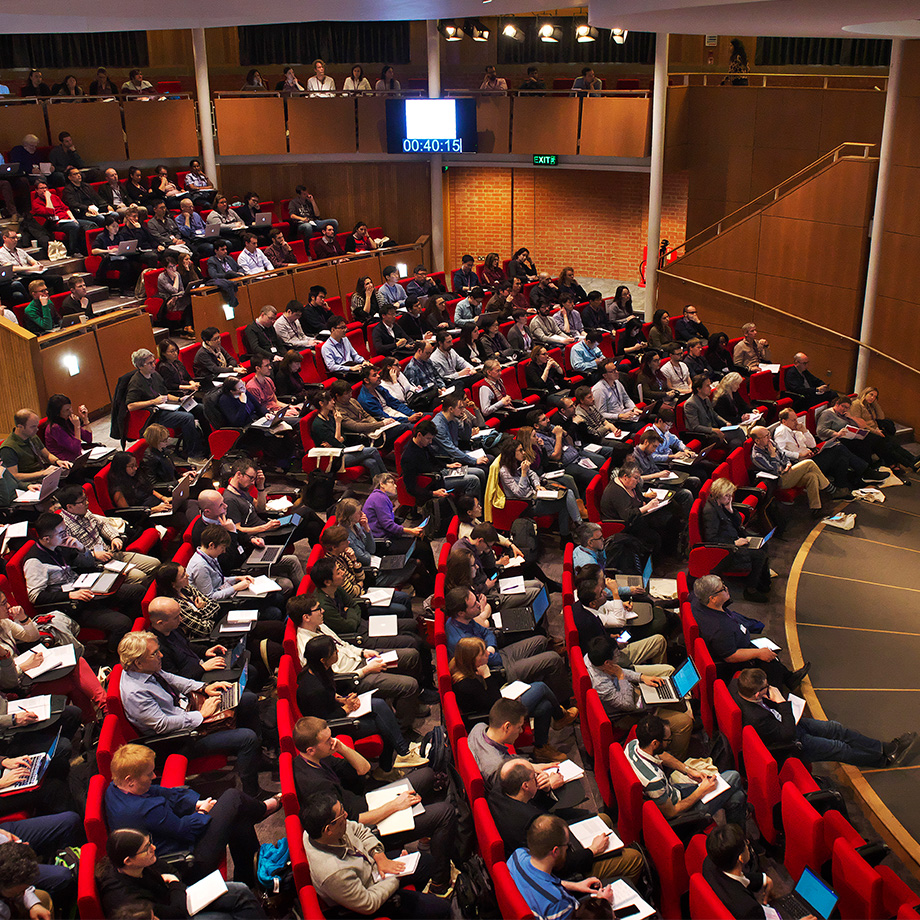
[(615, 127), (788, 118), (319, 125), (834, 307), (372, 124), (250, 126), (903, 200), (910, 69), (842, 121), (88, 387), (96, 128), (20, 373), (769, 167), (722, 116), (16, 121), (899, 268), (546, 124), (161, 130), (737, 249), (720, 173), (493, 124), (725, 279), (117, 341), (841, 197)]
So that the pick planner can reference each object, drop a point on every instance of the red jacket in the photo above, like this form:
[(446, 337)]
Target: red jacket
[(58, 209)]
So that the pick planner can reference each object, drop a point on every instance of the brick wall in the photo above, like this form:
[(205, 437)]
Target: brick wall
[(594, 221)]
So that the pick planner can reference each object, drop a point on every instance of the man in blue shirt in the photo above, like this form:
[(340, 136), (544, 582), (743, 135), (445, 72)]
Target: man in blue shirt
[(534, 871), (464, 279), (469, 308), (453, 423), (590, 551), (612, 400), (338, 353), (587, 358), (421, 372), (376, 401), (393, 292), (527, 660)]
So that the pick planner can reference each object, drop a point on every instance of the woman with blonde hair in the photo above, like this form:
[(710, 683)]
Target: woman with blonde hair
[(866, 408), (720, 523), (728, 402), (477, 688)]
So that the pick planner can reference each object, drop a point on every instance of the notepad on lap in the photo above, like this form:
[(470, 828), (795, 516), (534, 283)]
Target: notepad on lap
[(514, 690), (721, 786), (585, 832), (798, 706), (625, 897), (261, 585), (40, 705), (399, 821), (379, 597), (61, 656), (512, 585), (204, 892), (764, 642), (569, 770), (409, 861)]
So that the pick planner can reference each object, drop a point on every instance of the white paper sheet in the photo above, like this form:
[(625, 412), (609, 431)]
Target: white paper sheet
[(204, 892), (764, 642), (512, 585), (242, 616), (798, 706), (364, 709), (625, 896), (513, 562), (399, 821), (390, 657), (569, 770), (375, 561), (260, 586), (40, 705), (548, 494), (721, 786), (61, 656), (477, 454), (410, 864), (379, 597), (514, 690), (585, 832), (662, 587)]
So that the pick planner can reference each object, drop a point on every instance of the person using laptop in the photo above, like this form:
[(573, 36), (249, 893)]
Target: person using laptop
[(25, 269), (378, 402), (178, 818), (157, 702), (590, 549), (24, 455), (721, 524), (191, 228), (486, 569), (50, 567), (673, 449), (731, 869), (106, 246), (764, 707), (618, 689), (648, 754), (103, 537), (262, 387)]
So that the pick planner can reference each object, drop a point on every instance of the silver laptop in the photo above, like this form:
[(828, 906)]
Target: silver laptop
[(758, 542), (268, 555), (6, 273), (211, 230), (126, 247), (262, 219), (673, 689), (38, 764), (636, 581), (181, 491), (49, 485)]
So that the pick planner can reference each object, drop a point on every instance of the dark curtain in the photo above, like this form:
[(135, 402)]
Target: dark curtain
[(639, 47), (76, 49), (342, 43), (827, 52)]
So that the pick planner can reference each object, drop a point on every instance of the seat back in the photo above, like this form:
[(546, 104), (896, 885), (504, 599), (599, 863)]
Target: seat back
[(763, 783), (511, 903), (707, 670), (491, 846), (804, 825), (602, 734), (857, 885), (695, 854), (88, 901), (728, 716), (629, 795), (94, 817), (453, 720), (469, 771), (704, 903), (667, 853)]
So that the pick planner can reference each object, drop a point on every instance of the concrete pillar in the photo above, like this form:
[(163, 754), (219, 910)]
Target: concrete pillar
[(435, 162), (656, 174), (203, 85), (878, 216)]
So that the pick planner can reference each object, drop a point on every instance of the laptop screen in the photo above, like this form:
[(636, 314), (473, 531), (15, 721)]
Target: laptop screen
[(686, 678), (540, 605), (816, 894), (647, 572)]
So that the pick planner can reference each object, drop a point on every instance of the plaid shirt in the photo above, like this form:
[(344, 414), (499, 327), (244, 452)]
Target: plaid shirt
[(423, 374), (93, 530), (197, 623)]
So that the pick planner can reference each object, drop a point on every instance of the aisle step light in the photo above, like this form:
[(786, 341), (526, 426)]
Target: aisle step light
[(449, 29), (72, 364), (550, 33)]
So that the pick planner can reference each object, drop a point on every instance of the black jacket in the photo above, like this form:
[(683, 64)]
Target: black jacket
[(418, 461), (260, 340), (774, 733), (720, 525), (684, 330), (740, 901), (206, 364), (78, 199)]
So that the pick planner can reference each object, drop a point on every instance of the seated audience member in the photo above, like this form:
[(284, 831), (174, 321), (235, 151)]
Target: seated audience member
[(446, 360), (651, 379), (423, 285), (20, 873), (544, 294), (675, 371), (362, 543), (419, 461), (590, 550), (100, 536), (320, 82), (455, 425), (387, 337), (135, 191), (152, 702), (751, 352), (515, 802), (129, 488), (588, 84), (132, 884), (391, 290), (230, 223), (338, 353), (522, 266), (553, 448), (222, 270), (316, 315), (568, 285), (359, 241), (147, 390), (173, 370), (157, 464), (326, 429), (479, 545), (22, 452), (252, 260), (492, 275), (718, 357), (77, 301), (544, 377), (35, 85), (701, 419), (594, 315), (771, 716), (587, 358), (212, 358), (176, 297), (493, 343), (40, 315), (732, 871), (533, 82), (587, 417), (790, 472), (568, 319), (693, 357), (163, 229), (198, 183), (191, 228), (728, 401), (262, 388), (102, 85), (66, 430), (619, 694), (199, 613), (492, 82), (690, 326), (146, 253), (377, 402), (837, 419), (527, 659), (290, 83), (317, 771), (81, 198), (437, 319), (366, 300), (494, 399), (26, 270), (624, 500), (620, 309), (477, 689), (357, 421), (288, 327), (612, 401), (727, 635), (534, 869), (648, 755), (464, 279), (279, 251), (136, 85), (421, 371), (177, 818), (260, 337), (303, 214), (721, 524), (631, 342), (378, 509), (543, 327), (50, 565), (106, 245), (161, 186), (327, 246), (866, 407), (508, 298), (684, 488), (345, 858), (411, 324)]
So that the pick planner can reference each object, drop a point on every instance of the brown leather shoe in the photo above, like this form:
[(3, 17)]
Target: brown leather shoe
[(582, 509), (571, 715), (548, 754)]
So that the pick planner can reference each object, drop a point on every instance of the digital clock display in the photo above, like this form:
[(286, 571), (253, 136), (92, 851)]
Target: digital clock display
[(429, 126)]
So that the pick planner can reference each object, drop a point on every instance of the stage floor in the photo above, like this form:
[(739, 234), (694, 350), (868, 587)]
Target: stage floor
[(853, 610)]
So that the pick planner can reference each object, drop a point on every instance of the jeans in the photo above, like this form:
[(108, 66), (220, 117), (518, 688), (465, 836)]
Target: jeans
[(564, 508), (184, 423), (369, 458), (75, 231), (399, 686), (47, 835), (542, 705), (832, 741), (583, 475), (531, 659), (470, 484), (239, 902), (383, 721), (733, 800)]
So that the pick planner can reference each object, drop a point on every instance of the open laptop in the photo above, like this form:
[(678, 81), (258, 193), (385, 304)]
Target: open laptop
[(6, 272), (636, 581), (72, 319), (273, 421), (524, 619), (126, 247), (38, 764), (674, 688), (211, 230), (267, 555), (811, 896), (8, 170), (262, 219), (230, 697), (49, 485), (758, 542), (183, 487)]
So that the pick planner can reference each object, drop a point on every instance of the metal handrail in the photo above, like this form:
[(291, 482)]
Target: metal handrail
[(335, 93), (761, 78), (783, 188), (640, 93)]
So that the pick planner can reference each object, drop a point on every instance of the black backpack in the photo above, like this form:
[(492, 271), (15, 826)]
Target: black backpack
[(474, 890), (434, 746)]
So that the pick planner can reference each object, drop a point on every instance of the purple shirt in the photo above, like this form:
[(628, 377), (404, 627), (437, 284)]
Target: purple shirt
[(63, 444), (379, 510)]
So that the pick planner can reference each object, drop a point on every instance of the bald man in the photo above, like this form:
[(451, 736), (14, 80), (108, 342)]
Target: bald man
[(806, 389), (790, 472), (179, 657)]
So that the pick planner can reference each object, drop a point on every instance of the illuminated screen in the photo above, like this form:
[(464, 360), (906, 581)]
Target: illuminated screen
[(431, 125)]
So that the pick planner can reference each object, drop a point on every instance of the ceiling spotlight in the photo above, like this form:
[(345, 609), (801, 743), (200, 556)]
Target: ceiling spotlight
[(586, 33), (550, 33), (513, 32), (619, 35), (450, 30), (476, 30)]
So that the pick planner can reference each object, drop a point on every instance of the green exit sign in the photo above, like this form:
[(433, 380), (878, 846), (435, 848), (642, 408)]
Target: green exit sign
[(548, 159)]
